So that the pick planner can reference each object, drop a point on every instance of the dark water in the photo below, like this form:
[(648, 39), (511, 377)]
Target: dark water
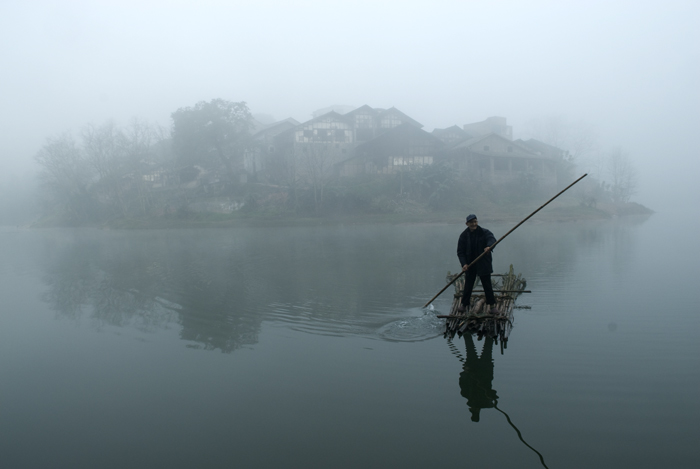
[(308, 347)]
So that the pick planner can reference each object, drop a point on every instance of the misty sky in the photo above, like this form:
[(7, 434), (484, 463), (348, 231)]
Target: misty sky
[(631, 69)]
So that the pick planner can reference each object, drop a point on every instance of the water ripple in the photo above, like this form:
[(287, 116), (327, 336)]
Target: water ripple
[(403, 325), (413, 329), (386, 324)]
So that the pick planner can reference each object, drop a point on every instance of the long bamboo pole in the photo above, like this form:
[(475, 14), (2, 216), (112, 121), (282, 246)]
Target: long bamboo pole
[(504, 237)]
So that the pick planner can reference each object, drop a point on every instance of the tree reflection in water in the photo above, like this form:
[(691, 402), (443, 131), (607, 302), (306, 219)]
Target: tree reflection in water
[(145, 287)]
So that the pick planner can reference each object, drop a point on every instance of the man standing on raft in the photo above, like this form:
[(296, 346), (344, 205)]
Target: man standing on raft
[(472, 242)]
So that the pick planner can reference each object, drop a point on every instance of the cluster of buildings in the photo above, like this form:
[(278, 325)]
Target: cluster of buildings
[(370, 140)]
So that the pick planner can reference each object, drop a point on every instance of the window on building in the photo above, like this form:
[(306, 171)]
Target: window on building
[(308, 134), (364, 121), (340, 135), (423, 160), (389, 122)]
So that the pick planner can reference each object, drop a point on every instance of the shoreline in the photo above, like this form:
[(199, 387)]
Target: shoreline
[(497, 214)]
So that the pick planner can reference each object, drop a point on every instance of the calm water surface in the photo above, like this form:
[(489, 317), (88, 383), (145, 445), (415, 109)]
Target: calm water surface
[(308, 347)]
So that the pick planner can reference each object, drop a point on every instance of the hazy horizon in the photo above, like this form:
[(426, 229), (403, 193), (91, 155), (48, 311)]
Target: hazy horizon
[(627, 69)]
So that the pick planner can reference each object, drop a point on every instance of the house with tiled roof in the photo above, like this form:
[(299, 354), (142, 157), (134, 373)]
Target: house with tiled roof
[(492, 125), (398, 149), (332, 139), (452, 135), (499, 160), (371, 122)]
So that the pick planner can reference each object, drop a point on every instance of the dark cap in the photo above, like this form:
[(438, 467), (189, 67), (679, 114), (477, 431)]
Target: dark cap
[(471, 217)]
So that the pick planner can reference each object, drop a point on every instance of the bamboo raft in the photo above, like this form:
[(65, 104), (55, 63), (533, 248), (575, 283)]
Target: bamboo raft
[(479, 320)]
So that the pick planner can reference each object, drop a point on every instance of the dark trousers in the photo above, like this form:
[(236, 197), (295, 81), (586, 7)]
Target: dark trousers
[(469, 279)]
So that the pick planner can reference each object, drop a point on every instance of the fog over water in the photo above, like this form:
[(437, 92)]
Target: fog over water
[(628, 69)]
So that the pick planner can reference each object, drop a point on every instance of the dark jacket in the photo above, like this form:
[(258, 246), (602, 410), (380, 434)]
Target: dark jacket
[(480, 238)]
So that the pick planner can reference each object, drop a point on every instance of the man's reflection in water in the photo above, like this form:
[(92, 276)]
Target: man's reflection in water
[(476, 377), (475, 383)]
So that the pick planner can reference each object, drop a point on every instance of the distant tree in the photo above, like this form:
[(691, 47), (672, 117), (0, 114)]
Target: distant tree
[(213, 132), (577, 139), (66, 177), (435, 184), (120, 158), (316, 170), (104, 177), (281, 169), (104, 148), (623, 176), (307, 171), (105, 151)]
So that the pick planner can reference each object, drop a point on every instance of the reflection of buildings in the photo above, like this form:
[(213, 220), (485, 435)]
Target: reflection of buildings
[(477, 376)]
